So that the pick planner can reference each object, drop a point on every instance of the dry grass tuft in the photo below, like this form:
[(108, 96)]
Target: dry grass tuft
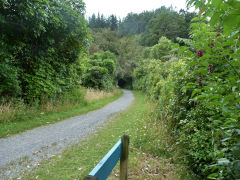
[(144, 166), (17, 110), (94, 94), (6, 108), (7, 112), (47, 106)]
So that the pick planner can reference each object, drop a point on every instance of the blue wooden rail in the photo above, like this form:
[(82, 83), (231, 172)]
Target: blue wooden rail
[(118, 152)]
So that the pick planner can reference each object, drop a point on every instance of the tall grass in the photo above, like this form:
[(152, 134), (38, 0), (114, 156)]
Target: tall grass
[(12, 110), (94, 94), (17, 116)]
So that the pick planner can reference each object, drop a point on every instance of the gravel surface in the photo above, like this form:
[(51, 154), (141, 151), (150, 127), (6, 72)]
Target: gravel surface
[(27, 149)]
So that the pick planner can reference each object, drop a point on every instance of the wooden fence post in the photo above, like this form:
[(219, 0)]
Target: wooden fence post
[(90, 178), (124, 158)]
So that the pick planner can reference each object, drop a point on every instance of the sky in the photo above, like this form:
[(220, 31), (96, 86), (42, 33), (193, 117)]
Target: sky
[(121, 8)]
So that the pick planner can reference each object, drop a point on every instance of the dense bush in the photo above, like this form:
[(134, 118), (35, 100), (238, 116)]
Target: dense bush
[(99, 71), (40, 42), (154, 24), (162, 50), (145, 28), (127, 51), (164, 22), (216, 87), (200, 93)]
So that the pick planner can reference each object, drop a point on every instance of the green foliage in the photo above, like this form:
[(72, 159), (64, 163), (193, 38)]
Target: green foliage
[(110, 65), (201, 92), (134, 31), (135, 23), (164, 50), (104, 40), (100, 21), (161, 49), (9, 80), (146, 52), (40, 43), (214, 87), (164, 82), (129, 54), (166, 22), (154, 24), (223, 13), (127, 50), (220, 83), (156, 79), (99, 71)]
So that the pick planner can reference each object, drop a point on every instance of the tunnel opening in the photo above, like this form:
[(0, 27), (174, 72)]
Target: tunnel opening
[(125, 83)]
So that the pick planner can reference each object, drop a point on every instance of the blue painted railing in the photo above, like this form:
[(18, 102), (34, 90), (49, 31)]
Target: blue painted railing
[(118, 152)]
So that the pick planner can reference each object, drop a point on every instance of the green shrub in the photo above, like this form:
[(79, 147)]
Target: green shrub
[(161, 49), (40, 44), (99, 71), (10, 85), (201, 95)]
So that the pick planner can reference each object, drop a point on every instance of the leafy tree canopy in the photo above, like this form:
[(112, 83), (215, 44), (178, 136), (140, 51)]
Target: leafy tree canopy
[(40, 43)]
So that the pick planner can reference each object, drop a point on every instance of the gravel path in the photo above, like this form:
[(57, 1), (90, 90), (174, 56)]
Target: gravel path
[(29, 148)]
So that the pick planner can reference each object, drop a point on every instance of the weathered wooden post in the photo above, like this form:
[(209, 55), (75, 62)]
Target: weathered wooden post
[(124, 158), (119, 151), (90, 178)]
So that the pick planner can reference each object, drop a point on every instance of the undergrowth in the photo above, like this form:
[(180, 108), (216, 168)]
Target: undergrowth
[(17, 116), (152, 153)]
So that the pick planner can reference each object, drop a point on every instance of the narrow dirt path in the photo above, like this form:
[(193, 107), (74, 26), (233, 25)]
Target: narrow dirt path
[(30, 147)]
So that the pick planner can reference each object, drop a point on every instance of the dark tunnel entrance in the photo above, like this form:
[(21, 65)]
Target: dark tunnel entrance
[(125, 83)]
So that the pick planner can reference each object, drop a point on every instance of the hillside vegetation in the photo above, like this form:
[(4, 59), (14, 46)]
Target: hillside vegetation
[(44, 50), (197, 86), (187, 63), (128, 37), (150, 149), (44, 63)]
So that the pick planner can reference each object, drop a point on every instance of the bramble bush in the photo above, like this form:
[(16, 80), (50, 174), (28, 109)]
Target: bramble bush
[(216, 67), (200, 91)]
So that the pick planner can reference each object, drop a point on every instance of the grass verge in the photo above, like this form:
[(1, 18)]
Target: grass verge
[(151, 154), (34, 117)]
